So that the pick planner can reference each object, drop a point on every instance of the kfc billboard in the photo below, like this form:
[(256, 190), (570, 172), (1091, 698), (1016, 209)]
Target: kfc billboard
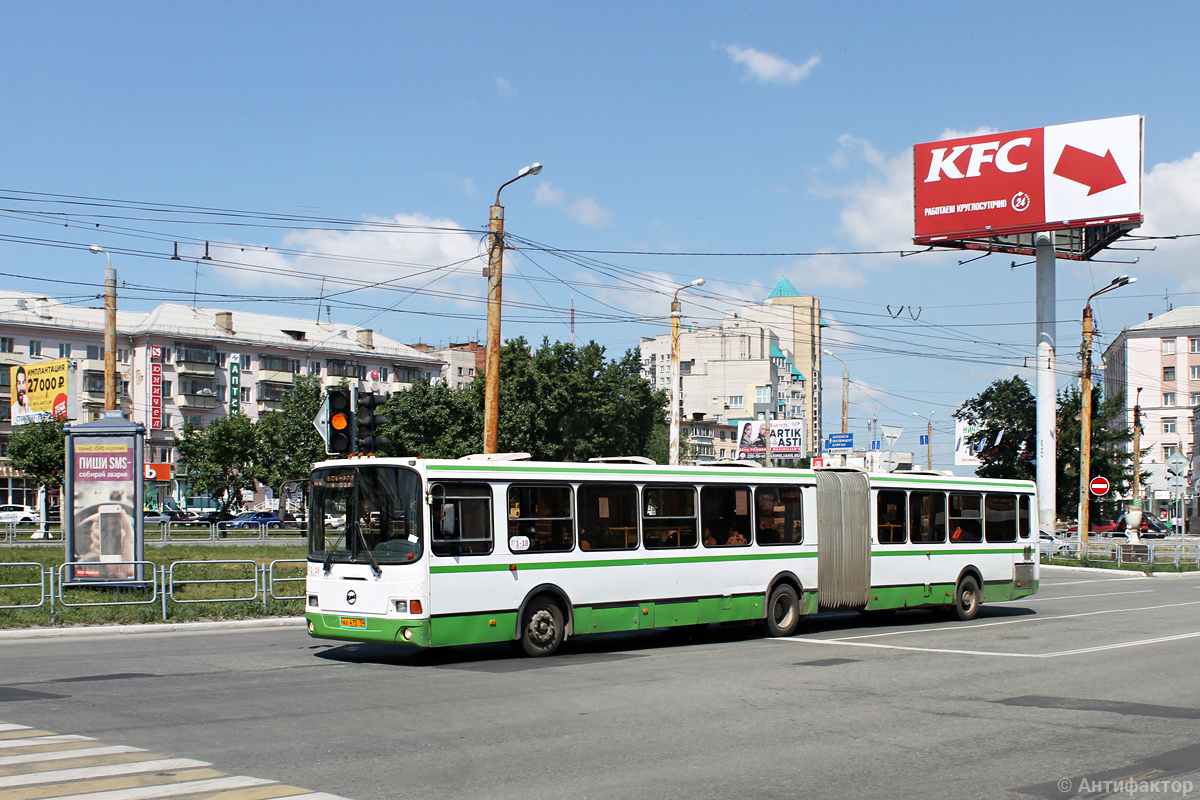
[(1040, 179)]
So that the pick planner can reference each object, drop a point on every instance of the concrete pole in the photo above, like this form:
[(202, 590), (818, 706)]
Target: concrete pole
[(1046, 387), (1085, 432), (491, 386), (929, 444), (676, 388), (1133, 517), (845, 398), (110, 338)]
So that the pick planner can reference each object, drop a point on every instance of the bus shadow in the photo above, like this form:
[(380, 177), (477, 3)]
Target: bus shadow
[(611, 647)]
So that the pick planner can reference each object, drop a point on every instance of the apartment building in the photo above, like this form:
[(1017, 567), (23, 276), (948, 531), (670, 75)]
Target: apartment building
[(761, 359), (179, 362), (1157, 365), (462, 361)]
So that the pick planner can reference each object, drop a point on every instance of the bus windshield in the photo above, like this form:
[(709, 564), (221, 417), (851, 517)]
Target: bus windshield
[(367, 514)]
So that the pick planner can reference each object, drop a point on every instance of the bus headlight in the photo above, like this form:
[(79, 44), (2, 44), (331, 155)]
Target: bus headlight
[(408, 634)]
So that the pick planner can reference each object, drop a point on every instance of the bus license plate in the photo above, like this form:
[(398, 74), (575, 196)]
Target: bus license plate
[(353, 622)]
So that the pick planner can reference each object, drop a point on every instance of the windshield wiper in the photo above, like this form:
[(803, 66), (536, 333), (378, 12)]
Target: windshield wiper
[(362, 537), (328, 561)]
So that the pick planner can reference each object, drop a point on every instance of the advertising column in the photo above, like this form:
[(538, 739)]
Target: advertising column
[(104, 484)]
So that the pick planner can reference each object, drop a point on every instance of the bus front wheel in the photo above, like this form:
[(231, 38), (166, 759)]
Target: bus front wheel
[(542, 628), (966, 599), (783, 611)]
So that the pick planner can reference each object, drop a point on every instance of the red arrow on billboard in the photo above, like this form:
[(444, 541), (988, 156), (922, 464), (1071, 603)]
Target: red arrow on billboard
[(1095, 172)]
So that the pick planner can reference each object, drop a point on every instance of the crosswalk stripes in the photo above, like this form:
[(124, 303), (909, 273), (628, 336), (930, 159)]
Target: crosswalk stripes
[(41, 765)]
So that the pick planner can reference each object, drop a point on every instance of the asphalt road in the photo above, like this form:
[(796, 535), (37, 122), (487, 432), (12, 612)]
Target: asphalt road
[(1092, 680)]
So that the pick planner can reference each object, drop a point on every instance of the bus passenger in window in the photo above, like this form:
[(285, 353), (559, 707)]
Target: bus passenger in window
[(735, 538), (709, 539)]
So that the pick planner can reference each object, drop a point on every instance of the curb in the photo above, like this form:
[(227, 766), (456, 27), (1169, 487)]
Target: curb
[(151, 627), (1121, 573)]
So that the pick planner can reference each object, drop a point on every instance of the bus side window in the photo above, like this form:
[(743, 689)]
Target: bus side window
[(966, 517), (462, 519), (778, 515), (927, 517), (1000, 517), (1023, 515)]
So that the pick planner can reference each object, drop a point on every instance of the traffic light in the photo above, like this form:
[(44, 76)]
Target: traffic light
[(339, 437), (369, 423)]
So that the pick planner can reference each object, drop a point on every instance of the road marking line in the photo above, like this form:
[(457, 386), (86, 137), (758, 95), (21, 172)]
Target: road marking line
[(108, 770), (1068, 597), (997, 654), (313, 796), (171, 790), (39, 740), (55, 755), (1017, 621), (12, 726), (1140, 576)]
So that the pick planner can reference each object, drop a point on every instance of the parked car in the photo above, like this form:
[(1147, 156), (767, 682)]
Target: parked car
[(1102, 527), (152, 517), (334, 522), (14, 514), (1150, 528), (252, 519), (1052, 545), (215, 516)]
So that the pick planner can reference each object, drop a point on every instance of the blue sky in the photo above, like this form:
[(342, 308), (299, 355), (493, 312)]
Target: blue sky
[(666, 127)]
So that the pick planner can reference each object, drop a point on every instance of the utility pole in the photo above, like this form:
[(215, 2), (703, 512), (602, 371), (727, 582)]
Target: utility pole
[(494, 273), (1085, 415), (676, 379), (928, 439), (110, 330), (1133, 518)]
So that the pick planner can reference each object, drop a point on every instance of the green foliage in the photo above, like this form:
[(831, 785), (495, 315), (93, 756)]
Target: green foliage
[(219, 458), (286, 441), (1007, 410), (558, 403), (37, 448)]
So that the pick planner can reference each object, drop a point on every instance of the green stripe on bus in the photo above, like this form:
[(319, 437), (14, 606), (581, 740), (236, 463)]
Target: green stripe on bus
[(509, 467), (955, 552), (615, 562)]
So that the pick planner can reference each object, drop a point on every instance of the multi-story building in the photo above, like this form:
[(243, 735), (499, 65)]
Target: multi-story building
[(178, 362), (762, 359), (1157, 365), (462, 361)]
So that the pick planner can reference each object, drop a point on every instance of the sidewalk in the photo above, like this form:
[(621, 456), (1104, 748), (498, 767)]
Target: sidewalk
[(150, 627)]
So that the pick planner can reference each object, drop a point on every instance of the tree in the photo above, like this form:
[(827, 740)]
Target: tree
[(558, 403), (1110, 452), (37, 449), (286, 442), (1005, 415), (219, 458)]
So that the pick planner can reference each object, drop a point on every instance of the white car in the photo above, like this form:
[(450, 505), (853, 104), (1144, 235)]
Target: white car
[(1053, 546), (334, 522), (16, 514)]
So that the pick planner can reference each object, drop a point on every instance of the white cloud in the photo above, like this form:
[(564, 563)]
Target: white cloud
[(409, 259), (584, 210), (504, 88), (1171, 204), (877, 211), (950, 133), (770, 68), (587, 211), (549, 196)]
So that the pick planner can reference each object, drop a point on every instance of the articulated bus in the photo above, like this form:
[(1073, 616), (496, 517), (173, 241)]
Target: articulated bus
[(492, 548)]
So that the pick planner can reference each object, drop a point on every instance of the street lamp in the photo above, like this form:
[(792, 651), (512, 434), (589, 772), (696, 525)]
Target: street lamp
[(110, 330), (928, 439), (1085, 414), (676, 382), (845, 387), (493, 272)]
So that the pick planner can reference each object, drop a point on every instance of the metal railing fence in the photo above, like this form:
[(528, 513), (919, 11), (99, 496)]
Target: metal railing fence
[(32, 585), (16, 534)]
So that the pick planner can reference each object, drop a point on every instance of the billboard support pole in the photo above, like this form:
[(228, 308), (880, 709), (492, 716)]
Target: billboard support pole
[(1045, 386)]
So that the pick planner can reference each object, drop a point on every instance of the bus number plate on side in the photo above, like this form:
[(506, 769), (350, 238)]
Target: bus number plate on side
[(353, 622)]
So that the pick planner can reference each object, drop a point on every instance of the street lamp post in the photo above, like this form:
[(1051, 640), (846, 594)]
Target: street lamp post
[(494, 271), (1085, 415), (845, 388), (676, 381), (110, 330), (928, 439)]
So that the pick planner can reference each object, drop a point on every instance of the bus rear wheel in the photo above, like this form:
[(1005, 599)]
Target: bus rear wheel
[(783, 611), (966, 599), (542, 628)]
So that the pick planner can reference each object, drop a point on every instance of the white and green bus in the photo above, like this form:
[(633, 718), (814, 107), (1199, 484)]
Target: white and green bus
[(493, 548)]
